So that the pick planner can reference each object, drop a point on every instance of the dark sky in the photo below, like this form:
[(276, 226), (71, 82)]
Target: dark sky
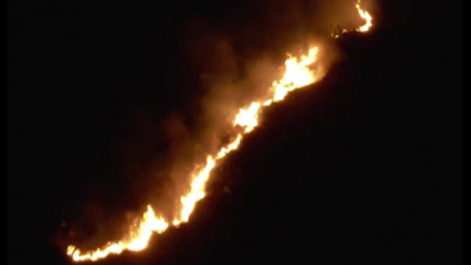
[(366, 166)]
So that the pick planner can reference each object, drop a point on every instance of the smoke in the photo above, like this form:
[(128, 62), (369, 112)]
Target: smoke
[(236, 60)]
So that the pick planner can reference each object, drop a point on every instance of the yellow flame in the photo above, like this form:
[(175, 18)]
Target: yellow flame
[(248, 118), (367, 17), (137, 239), (298, 73), (200, 179)]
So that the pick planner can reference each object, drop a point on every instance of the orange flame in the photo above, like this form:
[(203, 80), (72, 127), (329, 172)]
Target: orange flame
[(200, 179), (137, 239), (298, 73), (367, 17)]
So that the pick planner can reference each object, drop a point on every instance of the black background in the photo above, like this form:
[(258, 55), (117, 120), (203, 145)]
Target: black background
[(364, 167)]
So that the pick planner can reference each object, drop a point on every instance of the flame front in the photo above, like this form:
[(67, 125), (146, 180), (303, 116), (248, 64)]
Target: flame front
[(299, 72), (367, 17), (137, 239)]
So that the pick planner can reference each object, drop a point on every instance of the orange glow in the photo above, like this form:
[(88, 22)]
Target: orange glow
[(367, 17), (298, 72)]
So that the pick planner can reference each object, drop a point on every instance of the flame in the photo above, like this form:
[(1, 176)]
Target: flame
[(367, 17), (298, 73), (200, 179), (248, 118), (137, 239)]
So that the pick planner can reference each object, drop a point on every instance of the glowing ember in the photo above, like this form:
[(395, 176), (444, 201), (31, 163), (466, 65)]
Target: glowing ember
[(299, 72)]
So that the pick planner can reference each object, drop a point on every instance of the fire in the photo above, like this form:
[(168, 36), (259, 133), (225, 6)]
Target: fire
[(200, 179), (137, 239), (248, 118), (367, 17), (299, 72)]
